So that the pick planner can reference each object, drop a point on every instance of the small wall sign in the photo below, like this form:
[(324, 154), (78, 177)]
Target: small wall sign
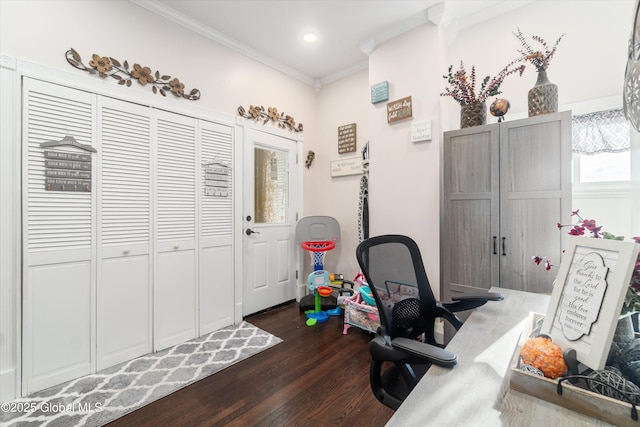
[(343, 167), (347, 138), (421, 131), (399, 110), (217, 179), (64, 170), (380, 92)]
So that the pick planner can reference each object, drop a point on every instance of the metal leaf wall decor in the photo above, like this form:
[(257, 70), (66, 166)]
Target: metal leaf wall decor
[(125, 75), (271, 114)]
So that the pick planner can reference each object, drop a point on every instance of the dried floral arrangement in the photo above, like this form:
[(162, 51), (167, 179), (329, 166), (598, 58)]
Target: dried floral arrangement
[(462, 86), (260, 113), (111, 67), (539, 58), (588, 226)]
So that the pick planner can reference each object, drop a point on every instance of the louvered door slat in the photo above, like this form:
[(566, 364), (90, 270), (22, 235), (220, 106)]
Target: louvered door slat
[(56, 220), (126, 167), (216, 143), (175, 182)]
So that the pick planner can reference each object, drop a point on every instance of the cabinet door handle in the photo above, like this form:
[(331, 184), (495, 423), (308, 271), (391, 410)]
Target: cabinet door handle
[(504, 253), (495, 251)]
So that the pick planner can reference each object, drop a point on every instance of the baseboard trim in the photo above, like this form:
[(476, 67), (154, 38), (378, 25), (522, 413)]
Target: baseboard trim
[(8, 385)]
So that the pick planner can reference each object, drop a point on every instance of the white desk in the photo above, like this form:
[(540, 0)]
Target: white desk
[(476, 391)]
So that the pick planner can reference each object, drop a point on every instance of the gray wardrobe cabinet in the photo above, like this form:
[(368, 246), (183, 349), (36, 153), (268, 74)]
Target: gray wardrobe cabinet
[(506, 186)]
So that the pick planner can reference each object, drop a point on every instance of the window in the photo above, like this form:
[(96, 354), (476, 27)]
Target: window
[(270, 186), (604, 167), (601, 147)]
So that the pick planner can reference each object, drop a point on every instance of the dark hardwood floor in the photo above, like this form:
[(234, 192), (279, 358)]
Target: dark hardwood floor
[(316, 377)]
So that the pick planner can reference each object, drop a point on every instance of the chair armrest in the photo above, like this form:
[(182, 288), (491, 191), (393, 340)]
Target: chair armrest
[(470, 300), (435, 355), (487, 296)]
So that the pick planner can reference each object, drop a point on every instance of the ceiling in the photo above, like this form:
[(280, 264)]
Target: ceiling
[(270, 31)]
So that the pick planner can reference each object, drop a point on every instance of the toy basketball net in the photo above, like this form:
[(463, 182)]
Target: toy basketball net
[(317, 251)]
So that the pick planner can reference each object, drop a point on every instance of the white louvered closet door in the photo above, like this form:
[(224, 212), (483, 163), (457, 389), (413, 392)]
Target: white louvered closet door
[(59, 275), (216, 228), (175, 264), (124, 233)]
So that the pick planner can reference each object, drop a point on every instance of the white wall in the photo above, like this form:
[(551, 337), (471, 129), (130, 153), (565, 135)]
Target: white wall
[(612, 213), (405, 176), (340, 103)]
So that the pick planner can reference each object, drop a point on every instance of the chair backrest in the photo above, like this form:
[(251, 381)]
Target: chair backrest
[(393, 267)]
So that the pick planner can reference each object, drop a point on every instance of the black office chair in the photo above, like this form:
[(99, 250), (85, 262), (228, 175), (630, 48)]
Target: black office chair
[(405, 343)]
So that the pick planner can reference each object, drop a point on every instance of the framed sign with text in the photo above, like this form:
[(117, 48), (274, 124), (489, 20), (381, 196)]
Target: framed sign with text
[(588, 295), (343, 167), (401, 109), (380, 92), (347, 138)]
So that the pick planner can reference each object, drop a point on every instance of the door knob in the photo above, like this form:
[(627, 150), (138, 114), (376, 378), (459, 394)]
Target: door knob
[(249, 232)]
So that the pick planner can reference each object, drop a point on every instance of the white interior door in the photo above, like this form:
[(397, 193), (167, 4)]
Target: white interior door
[(270, 204), (216, 263), (124, 232), (59, 272), (175, 315)]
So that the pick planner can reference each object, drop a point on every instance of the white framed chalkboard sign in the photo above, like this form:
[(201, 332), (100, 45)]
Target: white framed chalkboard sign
[(588, 295)]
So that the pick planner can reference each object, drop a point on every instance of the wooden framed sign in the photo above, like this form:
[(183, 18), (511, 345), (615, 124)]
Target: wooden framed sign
[(399, 110), (347, 138), (587, 297)]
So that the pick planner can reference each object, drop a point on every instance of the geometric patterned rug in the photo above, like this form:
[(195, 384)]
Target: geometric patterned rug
[(99, 398)]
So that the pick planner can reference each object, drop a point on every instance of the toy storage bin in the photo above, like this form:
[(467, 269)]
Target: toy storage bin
[(360, 314)]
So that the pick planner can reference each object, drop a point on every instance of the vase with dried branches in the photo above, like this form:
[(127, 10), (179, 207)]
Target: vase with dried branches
[(462, 88), (543, 97)]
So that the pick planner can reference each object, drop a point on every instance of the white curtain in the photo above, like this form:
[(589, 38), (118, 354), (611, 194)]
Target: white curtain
[(600, 132)]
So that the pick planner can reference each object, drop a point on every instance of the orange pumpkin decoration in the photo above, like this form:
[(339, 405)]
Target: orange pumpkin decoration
[(543, 354)]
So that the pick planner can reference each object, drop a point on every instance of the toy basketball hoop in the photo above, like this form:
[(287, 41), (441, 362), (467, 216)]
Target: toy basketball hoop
[(317, 251)]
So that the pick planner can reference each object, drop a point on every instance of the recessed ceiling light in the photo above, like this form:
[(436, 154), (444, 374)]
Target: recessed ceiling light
[(310, 37)]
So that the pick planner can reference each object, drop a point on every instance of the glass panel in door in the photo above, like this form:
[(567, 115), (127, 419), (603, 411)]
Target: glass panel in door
[(270, 186)]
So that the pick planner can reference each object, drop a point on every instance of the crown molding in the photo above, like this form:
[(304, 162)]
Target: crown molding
[(362, 65), (180, 19), (502, 7), (370, 43)]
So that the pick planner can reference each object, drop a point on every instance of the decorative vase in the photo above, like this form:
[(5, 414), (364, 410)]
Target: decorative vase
[(543, 96), (473, 114)]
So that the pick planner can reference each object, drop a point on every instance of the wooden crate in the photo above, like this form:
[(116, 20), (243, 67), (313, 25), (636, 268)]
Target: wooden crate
[(575, 398)]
